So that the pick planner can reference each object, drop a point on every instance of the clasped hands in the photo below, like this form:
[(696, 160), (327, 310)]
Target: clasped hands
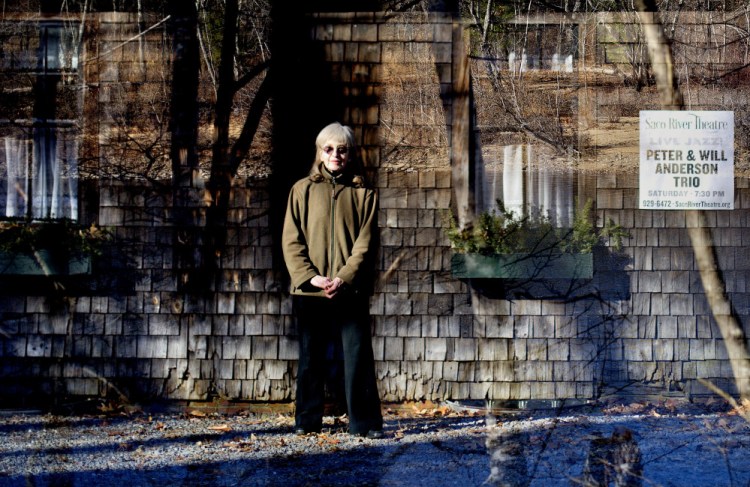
[(330, 286)]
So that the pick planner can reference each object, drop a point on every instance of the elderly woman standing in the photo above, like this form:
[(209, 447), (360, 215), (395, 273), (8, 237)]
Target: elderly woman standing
[(329, 241)]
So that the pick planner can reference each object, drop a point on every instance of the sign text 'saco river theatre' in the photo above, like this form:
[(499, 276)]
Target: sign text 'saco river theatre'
[(687, 160)]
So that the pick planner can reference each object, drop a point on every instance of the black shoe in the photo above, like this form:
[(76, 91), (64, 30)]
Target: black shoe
[(375, 435)]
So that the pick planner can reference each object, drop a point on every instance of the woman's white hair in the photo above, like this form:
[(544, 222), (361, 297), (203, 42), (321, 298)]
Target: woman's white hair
[(336, 132)]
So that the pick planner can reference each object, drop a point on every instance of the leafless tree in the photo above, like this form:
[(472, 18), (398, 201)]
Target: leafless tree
[(700, 236), (511, 94)]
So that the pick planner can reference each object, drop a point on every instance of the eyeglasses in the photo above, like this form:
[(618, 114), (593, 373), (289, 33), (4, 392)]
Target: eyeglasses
[(342, 149)]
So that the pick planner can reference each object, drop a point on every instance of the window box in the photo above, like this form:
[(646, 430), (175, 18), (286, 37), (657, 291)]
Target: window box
[(43, 263), (49, 248), (523, 266)]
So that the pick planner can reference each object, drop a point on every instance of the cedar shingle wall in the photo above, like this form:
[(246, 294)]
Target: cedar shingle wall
[(641, 320)]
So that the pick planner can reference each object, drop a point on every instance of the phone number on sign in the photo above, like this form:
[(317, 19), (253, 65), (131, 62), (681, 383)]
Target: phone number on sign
[(656, 204), (684, 205)]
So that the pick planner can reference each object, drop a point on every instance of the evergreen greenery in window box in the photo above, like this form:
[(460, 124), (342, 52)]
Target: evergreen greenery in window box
[(49, 248), (500, 244)]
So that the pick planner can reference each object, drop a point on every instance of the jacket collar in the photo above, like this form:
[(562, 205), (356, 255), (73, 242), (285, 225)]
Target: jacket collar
[(341, 178)]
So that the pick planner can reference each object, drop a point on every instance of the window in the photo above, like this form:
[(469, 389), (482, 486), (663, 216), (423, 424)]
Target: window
[(527, 105), (39, 139), (543, 46), (528, 186)]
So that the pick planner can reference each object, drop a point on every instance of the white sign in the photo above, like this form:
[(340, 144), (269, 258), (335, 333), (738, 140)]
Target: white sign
[(687, 160)]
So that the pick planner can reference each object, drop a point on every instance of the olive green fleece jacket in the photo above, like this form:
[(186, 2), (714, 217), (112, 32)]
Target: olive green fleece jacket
[(330, 229)]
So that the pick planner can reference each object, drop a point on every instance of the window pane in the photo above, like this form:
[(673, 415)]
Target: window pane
[(16, 162), (528, 185), (41, 173)]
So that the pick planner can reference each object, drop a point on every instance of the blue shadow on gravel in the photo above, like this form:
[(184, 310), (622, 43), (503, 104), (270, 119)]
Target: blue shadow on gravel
[(134, 452)]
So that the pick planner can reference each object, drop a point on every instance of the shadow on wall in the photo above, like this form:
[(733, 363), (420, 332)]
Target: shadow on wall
[(581, 333), (304, 100), (52, 325)]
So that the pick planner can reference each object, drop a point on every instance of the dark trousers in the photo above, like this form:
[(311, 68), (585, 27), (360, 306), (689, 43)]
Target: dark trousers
[(319, 321)]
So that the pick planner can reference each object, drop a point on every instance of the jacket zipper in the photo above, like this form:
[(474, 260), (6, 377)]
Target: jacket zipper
[(333, 231)]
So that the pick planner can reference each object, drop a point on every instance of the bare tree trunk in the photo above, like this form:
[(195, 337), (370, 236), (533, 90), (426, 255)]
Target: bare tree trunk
[(220, 182), (715, 289), (660, 52), (461, 143), (184, 130), (184, 102), (700, 236), (226, 90), (226, 157)]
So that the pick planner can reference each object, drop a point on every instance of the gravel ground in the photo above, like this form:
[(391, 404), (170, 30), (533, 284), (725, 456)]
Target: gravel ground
[(678, 445)]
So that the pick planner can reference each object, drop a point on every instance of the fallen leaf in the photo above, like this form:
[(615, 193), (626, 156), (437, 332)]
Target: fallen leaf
[(326, 439), (221, 427), (724, 424)]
